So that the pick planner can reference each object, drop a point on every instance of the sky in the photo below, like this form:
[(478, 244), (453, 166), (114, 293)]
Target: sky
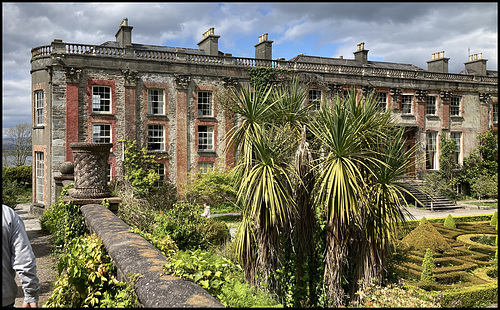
[(399, 32)]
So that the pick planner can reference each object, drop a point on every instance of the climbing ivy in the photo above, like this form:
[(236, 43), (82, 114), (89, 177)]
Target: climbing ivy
[(140, 168), (260, 77)]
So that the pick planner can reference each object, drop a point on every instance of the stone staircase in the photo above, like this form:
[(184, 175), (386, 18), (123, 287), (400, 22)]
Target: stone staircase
[(425, 199)]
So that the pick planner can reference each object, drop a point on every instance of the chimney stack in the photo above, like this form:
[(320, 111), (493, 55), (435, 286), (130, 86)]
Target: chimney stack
[(361, 54), (124, 34), (264, 49), (476, 64), (438, 63), (209, 43)]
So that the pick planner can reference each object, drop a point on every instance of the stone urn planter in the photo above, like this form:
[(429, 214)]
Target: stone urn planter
[(90, 166)]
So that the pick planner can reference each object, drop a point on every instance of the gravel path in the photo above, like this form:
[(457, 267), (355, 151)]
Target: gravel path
[(45, 261)]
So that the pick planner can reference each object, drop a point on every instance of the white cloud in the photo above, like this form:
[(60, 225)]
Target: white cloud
[(396, 32)]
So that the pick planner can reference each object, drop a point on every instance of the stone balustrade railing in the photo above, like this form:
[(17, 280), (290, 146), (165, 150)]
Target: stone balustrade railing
[(182, 55)]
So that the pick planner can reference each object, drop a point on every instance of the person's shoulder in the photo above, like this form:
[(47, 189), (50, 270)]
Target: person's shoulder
[(8, 212)]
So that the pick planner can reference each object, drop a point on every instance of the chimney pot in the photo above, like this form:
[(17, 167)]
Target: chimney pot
[(433, 56), (442, 54), (341, 57), (475, 56), (480, 55)]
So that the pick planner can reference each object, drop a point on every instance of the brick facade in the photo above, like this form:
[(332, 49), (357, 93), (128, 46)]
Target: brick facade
[(67, 72)]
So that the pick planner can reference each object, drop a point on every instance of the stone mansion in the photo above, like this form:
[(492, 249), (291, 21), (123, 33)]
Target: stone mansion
[(165, 98)]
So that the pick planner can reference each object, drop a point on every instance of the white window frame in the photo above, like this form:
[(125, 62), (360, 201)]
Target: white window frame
[(455, 106), (494, 111), (39, 107), (314, 97), (156, 137), (205, 166), (205, 138), (431, 161), (431, 102), (156, 101), (101, 133), (40, 177), (457, 137), (381, 98), (205, 103), (101, 99), (405, 103), (161, 173)]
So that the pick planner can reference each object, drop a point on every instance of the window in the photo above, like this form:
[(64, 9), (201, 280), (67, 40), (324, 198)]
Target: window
[(108, 173), (205, 138), (156, 140), (431, 105), (495, 113), (455, 106), (430, 151), (161, 173), (39, 170), (315, 98), (39, 107), (457, 136), (205, 104), (101, 133), (381, 101), (101, 99), (156, 102), (406, 102), (204, 167)]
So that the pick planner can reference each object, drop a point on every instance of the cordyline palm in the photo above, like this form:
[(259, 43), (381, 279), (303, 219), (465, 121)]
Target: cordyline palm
[(347, 132), (265, 196), (385, 209), (263, 180)]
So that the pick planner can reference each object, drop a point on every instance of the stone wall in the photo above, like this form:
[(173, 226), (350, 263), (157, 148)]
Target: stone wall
[(133, 254)]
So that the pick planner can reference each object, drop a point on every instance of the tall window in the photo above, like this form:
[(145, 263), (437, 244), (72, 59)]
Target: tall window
[(406, 101), (381, 101), (430, 151), (205, 104), (156, 138), (431, 105), (457, 137), (39, 178), (161, 173), (495, 113), (39, 107), (108, 173), (156, 102), (204, 167), (455, 106), (205, 138), (101, 133), (315, 98), (101, 99)]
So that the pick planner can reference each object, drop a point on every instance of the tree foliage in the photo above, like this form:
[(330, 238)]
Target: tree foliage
[(19, 144)]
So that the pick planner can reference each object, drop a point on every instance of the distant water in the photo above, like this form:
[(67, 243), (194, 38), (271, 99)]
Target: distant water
[(10, 161)]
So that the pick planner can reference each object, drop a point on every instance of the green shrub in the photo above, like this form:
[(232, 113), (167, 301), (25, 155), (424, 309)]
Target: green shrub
[(165, 244), (10, 193), (471, 296), (428, 267), (188, 229), (20, 174), (494, 219), (63, 221), (88, 278), (221, 278), (450, 222)]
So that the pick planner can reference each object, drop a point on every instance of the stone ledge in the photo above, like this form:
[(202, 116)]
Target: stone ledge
[(133, 254)]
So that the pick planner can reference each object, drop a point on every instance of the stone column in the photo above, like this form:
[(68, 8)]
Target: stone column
[(90, 165)]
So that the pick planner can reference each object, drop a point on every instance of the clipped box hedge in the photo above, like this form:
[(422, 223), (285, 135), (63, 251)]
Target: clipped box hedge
[(471, 296)]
